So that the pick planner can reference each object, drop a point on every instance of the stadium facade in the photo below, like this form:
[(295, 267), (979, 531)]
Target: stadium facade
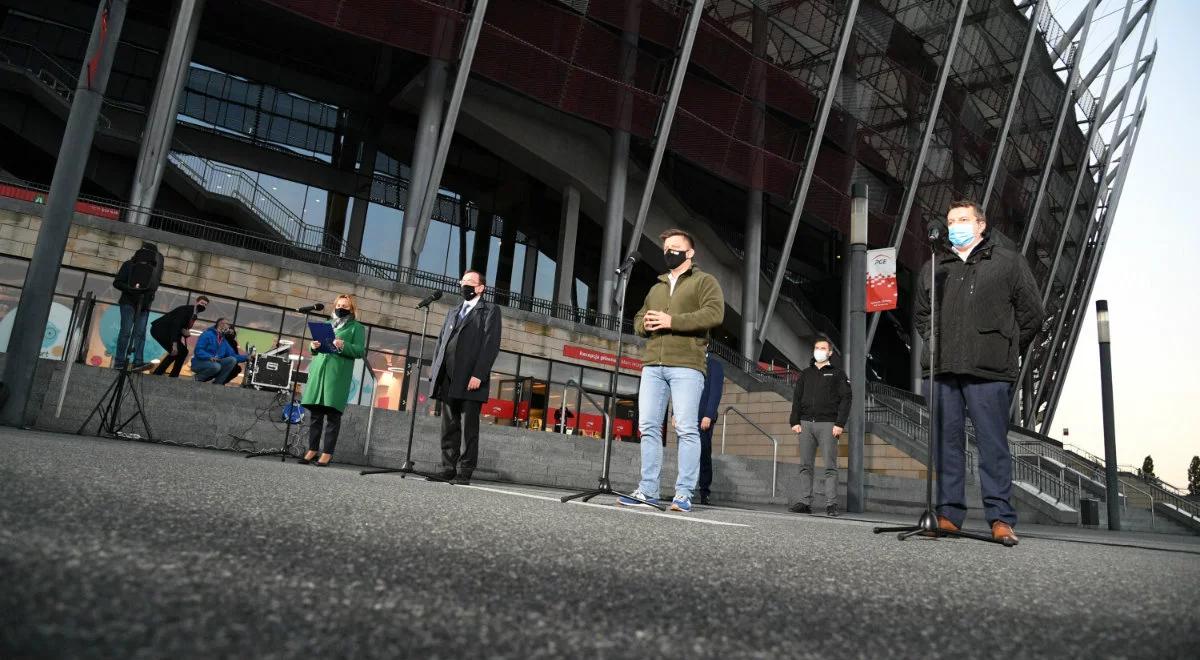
[(307, 128)]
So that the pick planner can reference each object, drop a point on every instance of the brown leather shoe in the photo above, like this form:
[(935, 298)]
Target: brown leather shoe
[(1003, 533), (944, 524)]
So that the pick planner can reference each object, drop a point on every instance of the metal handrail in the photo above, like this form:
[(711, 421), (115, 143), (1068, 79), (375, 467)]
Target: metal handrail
[(576, 384), (54, 81), (773, 439), (1125, 502)]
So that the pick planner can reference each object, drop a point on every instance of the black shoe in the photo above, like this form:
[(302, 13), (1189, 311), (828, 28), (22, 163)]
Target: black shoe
[(141, 366), (831, 511), (800, 507), (444, 475), (461, 480), (704, 499), (306, 461)]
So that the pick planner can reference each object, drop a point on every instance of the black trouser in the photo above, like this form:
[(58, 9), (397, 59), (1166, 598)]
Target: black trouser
[(332, 421), (175, 362), (705, 460), (460, 425)]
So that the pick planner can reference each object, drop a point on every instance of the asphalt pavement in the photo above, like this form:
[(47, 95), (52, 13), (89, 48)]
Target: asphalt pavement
[(135, 550)]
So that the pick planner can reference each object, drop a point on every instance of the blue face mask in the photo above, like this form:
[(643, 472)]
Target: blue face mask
[(961, 234)]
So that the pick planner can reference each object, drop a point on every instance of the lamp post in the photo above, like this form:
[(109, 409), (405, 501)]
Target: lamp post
[(857, 347), (1110, 432)]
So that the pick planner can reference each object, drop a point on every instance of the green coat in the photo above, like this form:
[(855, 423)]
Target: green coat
[(696, 307), (330, 374)]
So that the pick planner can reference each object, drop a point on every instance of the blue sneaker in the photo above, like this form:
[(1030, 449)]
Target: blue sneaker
[(636, 498), (683, 504)]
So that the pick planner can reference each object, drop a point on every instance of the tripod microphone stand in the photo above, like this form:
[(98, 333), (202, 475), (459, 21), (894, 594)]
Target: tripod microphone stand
[(604, 487), (109, 406), (408, 467), (927, 525)]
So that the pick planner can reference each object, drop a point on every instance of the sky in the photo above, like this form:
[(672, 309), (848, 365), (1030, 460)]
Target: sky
[(1147, 268)]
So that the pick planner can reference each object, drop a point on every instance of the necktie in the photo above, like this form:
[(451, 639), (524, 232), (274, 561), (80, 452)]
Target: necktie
[(462, 311)]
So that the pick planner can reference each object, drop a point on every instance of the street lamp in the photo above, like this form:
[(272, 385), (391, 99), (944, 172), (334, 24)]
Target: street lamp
[(857, 348), (1110, 431)]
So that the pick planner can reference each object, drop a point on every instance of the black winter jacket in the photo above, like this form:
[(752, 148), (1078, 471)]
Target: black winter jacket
[(821, 395), (989, 310)]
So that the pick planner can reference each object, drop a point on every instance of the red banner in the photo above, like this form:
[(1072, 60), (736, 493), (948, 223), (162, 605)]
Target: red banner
[(599, 357), (881, 280), (28, 195), (498, 408)]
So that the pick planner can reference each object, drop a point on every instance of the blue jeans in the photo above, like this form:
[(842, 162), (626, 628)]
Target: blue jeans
[(684, 386), (986, 402), (138, 330), (218, 372)]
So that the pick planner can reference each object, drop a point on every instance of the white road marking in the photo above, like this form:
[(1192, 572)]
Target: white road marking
[(608, 507)]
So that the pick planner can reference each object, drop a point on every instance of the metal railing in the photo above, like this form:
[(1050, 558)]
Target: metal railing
[(45, 69), (230, 182), (773, 439), (1149, 496), (1023, 469)]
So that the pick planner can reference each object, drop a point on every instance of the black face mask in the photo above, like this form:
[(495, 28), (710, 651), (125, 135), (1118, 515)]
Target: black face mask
[(468, 292), (674, 258), (200, 308), (341, 312)]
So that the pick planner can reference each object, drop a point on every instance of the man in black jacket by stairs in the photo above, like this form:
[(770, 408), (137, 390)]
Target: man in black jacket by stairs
[(820, 406)]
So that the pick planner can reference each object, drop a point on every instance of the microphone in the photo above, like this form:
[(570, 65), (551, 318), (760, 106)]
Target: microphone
[(316, 307), (936, 232), (428, 300), (629, 262)]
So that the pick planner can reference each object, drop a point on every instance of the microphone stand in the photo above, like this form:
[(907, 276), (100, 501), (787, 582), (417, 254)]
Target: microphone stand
[(927, 525), (408, 467), (604, 487)]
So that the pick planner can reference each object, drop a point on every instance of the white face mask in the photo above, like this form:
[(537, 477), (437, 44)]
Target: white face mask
[(820, 356)]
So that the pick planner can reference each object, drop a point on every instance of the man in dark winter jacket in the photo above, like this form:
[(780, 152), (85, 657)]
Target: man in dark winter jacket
[(137, 280), (820, 406), (710, 400), (171, 331), (988, 312)]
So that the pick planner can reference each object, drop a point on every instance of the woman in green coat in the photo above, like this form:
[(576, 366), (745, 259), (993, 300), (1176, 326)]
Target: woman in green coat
[(329, 378)]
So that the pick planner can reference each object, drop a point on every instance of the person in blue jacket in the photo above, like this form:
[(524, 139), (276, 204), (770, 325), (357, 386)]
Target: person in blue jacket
[(710, 400), (213, 358)]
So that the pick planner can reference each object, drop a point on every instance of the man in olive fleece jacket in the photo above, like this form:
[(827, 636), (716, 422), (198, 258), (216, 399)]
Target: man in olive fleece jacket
[(677, 315)]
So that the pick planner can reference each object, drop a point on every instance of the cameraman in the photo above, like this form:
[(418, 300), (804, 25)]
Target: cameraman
[(137, 280)]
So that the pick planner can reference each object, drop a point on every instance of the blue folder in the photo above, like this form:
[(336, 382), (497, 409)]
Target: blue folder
[(322, 332)]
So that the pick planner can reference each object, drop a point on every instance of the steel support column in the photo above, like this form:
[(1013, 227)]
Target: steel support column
[(1100, 189), (810, 162), (1013, 98), (1093, 270), (1104, 165), (1069, 93), (1123, 34), (429, 124), (568, 229), (1101, 241), (914, 181), (461, 76), (666, 118), (37, 293), (160, 120), (752, 242), (618, 169)]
